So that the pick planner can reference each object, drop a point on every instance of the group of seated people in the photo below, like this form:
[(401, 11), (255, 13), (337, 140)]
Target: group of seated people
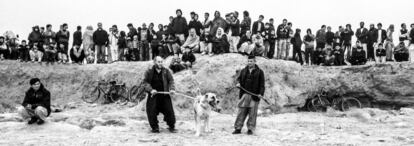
[(334, 56)]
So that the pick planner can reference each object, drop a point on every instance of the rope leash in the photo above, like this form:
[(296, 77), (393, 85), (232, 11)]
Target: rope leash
[(248, 92)]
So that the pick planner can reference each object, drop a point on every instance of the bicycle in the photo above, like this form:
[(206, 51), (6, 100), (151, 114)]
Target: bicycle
[(137, 93), (115, 92), (320, 102)]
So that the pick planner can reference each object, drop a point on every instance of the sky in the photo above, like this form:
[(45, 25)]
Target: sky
[(20, 15)]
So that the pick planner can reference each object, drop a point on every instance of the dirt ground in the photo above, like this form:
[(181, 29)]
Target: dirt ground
[(85, 124)]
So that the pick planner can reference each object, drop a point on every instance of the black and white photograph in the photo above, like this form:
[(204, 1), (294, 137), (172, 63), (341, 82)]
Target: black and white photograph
[(206, 73)]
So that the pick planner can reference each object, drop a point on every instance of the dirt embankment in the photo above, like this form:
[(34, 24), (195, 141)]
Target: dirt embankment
[(287, 83)]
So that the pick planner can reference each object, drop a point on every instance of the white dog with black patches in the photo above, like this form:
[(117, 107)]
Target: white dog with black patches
[(203, 106)]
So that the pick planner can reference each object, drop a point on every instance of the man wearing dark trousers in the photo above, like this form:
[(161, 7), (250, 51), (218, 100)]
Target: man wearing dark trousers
[(251, 78), (159, 79)]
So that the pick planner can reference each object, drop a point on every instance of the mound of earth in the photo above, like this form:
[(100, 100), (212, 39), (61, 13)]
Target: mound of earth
[(288, 84)]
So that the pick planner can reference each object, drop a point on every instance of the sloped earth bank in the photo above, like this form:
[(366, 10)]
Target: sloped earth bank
[(118, 125), (287, 87), (287, 83)]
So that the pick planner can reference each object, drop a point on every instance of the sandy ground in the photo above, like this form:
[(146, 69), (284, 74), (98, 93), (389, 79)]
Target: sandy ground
[(120, 125)]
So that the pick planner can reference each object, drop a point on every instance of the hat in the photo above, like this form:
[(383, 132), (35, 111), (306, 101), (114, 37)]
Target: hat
[(34, 80), (251, 57)]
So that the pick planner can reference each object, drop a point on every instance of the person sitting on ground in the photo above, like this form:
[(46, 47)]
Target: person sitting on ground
[(338, 54), (35, 53), (245, 42), (318, 56), (50, 53), (36, 103), (24, 52), (173, 44), (206, 44), (257, 48), (176, 65), (77, 54), (188, 58), (401, 53), (220, 42), (380, 53), (192, 42), (329, 58), (3, 49), (62, 58), (358, 56)]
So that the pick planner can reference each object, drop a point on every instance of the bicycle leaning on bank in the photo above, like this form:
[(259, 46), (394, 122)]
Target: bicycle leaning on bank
[(109, 91), (321, 101)]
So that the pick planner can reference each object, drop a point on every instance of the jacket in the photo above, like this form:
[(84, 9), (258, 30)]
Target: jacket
[(217, 22), (206, 38), (255, 28), (362, 35), (40, 97), (235, 28), (62, 37), (179, 25), (188, 57), (168, 80), (297, 40), (412, 36), (100, 37), (196, 25), (320, 36), (371, 36), (254, 84), (49, 37), (77, 38), (35, 36), (383, 35), (347, 36), (329, 37), (245, 25)]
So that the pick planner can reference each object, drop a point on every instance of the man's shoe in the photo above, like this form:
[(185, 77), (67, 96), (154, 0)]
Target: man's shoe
[(237, 131), (155, 130), (40, 122), (172, 130), (32, 120), (249, 132)]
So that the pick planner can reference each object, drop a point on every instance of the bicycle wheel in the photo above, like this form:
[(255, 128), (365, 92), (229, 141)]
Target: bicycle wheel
[(319, 104), (137, 94), (92, 95), (349, 103), (121, 95), (309, 106)]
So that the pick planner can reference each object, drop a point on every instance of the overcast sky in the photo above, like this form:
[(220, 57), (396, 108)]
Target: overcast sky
[(20, 15)]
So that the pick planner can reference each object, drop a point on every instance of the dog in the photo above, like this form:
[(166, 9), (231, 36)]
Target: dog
[(203, 106)]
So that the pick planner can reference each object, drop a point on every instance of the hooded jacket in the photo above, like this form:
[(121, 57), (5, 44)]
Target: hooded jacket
[(179, 25), (35, 36), (100, 37)]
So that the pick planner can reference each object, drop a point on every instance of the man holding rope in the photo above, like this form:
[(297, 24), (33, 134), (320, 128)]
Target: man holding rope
[(251, 83), (159, 79)]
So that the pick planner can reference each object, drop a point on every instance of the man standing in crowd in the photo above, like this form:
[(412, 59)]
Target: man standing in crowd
[(330, 36), (411, 46), (282, 35), (100, 39), (194, 23), (289, 41), (371, 39), (49, 36), (251, 78), (35, 36), (321, 37), (207, 22), (218, 22), (144, 38), (36, 103), (179, 26), (159, 79), (380, 35), (62, 38), (245, 24), (113, 43), (258, 26), (77, 37), (362, 36), (235, 33), (297, 45), (403, 37)]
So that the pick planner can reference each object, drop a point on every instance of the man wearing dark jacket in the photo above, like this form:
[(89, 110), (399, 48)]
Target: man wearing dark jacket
[(258, 26), (36, 103), (101, 40), (35, 36), (362, 36), (77, 37), (371, 39), (159, 79), (62, 38), (251, 78), (179, 26), (235, 33), (297, 45), (330, 36)]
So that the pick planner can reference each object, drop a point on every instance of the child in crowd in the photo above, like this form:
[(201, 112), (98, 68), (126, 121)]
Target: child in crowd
[(36, 54), (380, 54), (176, 65), (188, 58), (24, 52), (50, 53), (329, 58), (318, 56)]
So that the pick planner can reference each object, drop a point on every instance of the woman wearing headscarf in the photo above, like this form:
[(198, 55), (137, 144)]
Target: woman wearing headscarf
[(220, 42)]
